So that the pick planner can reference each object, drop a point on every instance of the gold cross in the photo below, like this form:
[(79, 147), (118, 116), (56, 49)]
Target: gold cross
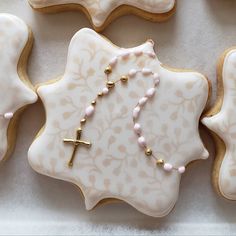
[(76, 142)]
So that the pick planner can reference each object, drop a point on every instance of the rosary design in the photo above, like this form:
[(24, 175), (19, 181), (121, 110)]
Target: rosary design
[(110, 86)]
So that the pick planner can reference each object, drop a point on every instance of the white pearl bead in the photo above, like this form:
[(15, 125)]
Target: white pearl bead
[(89, 110), (142, 101), (150, 92), (142, 141), (136, 112), (181, 169), (168, 167), (137, 128), (132, 73), (105, 90), (146, 71), (8, 115), (113, 61), (138, 53)]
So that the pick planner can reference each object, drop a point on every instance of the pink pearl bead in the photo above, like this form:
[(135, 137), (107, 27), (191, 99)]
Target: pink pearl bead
[(168, 167), (156, 76), (137, 128), (146, 71), (105, 90), (138, 53), (136, 112), (89, 110), (151, 54), (181, 169), (142, 101), (150, 92), (132, 73), (142, 141), (8, 115), (113, 61), (156, 82), (125, 55)]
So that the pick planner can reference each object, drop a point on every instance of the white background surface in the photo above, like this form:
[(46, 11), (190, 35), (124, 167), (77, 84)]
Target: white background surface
[(33, 204)]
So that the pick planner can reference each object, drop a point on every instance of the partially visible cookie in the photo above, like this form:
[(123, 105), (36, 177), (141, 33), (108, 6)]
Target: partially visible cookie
[(120, 125), (221, 120), (102, 12), (15, 89)]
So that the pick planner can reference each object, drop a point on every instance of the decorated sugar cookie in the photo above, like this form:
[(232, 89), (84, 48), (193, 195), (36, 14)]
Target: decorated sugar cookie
[(221, 121), (16, 90), (102, 12), (120, 125)]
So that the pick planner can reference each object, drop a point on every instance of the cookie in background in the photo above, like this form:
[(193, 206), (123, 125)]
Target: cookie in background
[(16, 91), (220, 119), (102, 12)]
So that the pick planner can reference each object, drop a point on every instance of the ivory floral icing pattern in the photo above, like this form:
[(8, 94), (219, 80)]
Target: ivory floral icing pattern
[(223, 124), (115, 166), (14, 94), (100, 10)]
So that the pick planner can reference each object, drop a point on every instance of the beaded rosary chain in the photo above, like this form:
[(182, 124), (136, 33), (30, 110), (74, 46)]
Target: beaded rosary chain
[(89, 111)]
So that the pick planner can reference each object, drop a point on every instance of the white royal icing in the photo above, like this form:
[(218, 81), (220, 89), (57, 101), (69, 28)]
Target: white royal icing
[(223, 124), (99, 10), (14, 94), (115, 166)]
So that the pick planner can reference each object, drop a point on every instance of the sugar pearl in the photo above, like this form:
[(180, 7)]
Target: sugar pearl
[(142, 101), (125, 55), (89, 110), (151, 54), (181, 169), (138, 53), (137, 128), (142, 141), (151, 92), (156, 76), (146, 71), (8, 115), (105, 90), (132, 73), (113, 61), (136, 112), (167, 167), (156, 82)]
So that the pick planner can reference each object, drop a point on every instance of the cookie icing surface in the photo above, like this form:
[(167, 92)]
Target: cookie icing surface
[(115, 166), (99, 10), (15, 94), (223, 124)]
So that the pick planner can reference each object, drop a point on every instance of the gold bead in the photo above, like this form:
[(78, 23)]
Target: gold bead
[(70, 164), (79, 129), (108, 70), (124, 78), (83, 121), (100, 94), (110, 84), (160, 162), (148, 152), (93, 102)]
